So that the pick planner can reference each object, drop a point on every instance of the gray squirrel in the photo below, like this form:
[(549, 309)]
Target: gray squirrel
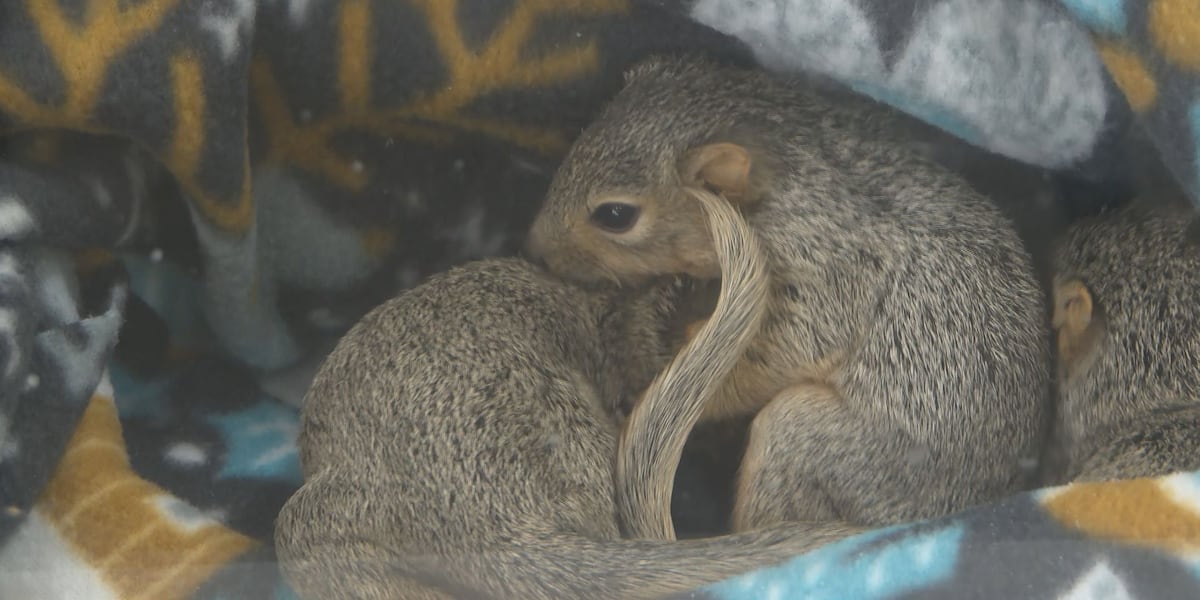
[(902, 369), (1127, 320), (459, 442)]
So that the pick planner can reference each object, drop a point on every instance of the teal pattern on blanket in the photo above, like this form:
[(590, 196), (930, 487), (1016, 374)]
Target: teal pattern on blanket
[(1195, 118), (140, 398), (854, 568), (261, 442), (1100, 15)]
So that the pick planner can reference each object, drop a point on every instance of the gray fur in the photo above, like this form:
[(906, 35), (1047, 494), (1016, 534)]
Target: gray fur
[(1129, 405), (899, 294), (456, 443)]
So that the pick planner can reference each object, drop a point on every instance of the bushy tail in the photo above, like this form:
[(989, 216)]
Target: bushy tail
[(563, 566), (549, 567), (652, 441)]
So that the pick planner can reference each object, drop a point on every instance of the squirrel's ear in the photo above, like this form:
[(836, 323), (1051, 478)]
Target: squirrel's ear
[(1072, 306), (1076, 323), (723, 166)]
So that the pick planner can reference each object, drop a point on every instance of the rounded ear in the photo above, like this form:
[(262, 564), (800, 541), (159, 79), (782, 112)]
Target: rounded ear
[(1072, 306), (722, 166), (1076, 323)]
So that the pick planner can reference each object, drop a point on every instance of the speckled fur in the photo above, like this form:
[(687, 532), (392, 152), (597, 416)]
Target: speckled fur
[(907, 342), (1129, 403), (457, 443)]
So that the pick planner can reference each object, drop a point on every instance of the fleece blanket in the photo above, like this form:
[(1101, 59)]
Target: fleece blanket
[(198, 196), (1118, 540)]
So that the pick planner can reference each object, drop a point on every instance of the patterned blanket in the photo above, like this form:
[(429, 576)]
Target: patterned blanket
[(198, 196)]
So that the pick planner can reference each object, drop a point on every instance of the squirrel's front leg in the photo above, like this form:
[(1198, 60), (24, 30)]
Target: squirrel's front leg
[(812, 458), (777, 481)]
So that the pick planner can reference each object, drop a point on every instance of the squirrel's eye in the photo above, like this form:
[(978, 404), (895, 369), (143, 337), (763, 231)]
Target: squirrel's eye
[(615, 217)]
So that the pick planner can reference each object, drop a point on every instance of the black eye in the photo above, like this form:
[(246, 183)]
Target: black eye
[(615, 217)]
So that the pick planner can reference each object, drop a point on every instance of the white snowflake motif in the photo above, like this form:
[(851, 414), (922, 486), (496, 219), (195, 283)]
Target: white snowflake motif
[(15, 220), (1098, 583), (228, 26), (183, 515)]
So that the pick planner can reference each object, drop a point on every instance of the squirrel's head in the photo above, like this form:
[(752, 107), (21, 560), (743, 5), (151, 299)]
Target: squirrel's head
[(615, 209), (1127, 312)]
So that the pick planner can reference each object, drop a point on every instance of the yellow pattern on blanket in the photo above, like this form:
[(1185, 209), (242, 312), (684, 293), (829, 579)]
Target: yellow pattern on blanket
[(137, 540)]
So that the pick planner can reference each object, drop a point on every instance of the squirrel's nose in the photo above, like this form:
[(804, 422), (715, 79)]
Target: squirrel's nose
[(532, 257)]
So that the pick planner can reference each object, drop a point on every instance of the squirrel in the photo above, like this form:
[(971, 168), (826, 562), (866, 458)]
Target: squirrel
[(1127, 322), (904, 359), (459, 442)]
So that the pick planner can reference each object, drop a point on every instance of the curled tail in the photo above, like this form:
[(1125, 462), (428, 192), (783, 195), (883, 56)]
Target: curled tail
[(328, 552), (652, 441), (566, 566)]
